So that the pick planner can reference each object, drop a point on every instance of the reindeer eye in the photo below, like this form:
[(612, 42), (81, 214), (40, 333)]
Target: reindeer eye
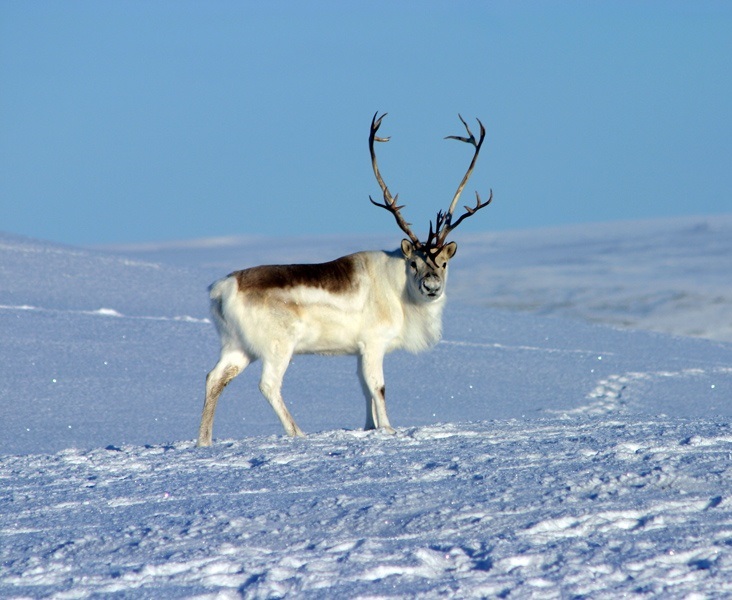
[(413, 264)]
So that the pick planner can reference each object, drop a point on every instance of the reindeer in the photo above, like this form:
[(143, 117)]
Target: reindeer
[(368, 304)]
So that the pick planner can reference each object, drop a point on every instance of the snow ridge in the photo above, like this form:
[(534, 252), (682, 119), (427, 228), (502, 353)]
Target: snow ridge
[(104, 312)]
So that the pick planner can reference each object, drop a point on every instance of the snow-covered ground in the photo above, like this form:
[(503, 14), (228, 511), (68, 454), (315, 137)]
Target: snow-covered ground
[(536, 456)]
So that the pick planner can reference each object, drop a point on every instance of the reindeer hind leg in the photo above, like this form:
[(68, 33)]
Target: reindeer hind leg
[(229, 366)]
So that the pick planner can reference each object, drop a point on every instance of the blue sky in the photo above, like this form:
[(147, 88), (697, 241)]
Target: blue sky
[(152, 121)]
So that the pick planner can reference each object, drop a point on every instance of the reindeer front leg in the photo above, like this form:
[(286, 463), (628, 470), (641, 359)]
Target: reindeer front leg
[(371, 374)]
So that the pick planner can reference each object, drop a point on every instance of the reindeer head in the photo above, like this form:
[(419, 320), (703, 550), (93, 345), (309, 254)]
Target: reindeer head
[(426, 262)]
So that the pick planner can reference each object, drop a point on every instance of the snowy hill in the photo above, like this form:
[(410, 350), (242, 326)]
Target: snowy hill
[(667, 275), (535, 455)]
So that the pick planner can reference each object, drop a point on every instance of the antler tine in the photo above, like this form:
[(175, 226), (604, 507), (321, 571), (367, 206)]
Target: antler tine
[(469, 212), (434, 234), (469, 140), (389, 202)]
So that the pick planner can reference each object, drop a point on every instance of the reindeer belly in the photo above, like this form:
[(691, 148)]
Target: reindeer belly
[(327, 331), (324, 323)]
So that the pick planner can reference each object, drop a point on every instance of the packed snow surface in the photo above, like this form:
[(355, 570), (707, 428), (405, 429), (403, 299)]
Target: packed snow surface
[(553, 508), (535, 456)]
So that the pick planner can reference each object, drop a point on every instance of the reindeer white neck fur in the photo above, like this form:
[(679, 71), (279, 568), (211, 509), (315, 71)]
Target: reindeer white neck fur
[(367, 304)]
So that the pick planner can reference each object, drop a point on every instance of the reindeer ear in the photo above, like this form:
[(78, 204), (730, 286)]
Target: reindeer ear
[(407, 248), (448, 250)]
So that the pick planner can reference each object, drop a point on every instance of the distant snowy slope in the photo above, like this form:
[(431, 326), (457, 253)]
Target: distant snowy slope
[(667, 275), (41, 274)]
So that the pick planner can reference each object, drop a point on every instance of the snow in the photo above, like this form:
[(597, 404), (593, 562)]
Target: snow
[(537, 454), (557, 507)]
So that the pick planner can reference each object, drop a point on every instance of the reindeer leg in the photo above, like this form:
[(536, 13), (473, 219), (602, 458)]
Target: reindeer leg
[(273, 371), (370, 406), (229, 366), (371, 372)]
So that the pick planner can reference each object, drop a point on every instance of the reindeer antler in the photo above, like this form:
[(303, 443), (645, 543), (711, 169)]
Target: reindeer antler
[(443, 222), (443, 225), (389, 202)]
